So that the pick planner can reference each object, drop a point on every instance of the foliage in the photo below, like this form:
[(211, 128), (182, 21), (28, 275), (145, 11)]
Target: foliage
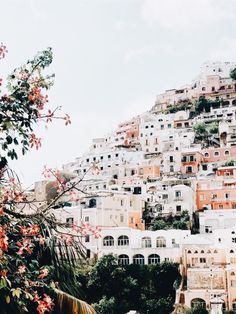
[(233, 74), (36, 252), (170, 222), (181, 105), (197, 309), (116, 289), (229, 163), (203, 104), (205, 132)]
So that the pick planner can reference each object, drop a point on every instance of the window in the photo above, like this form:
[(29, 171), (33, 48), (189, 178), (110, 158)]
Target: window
[(202, 197), (123, 259), (171, 168), (191, 158), (233, 283), (87, 238), (162, 126), (171, 158), (121, 202), (233, 240), (108, 241), (69, 221), (138, 259), (123, 240), (226, 152), (93, 201), (189, 169), (160, 242), (109, 156), (169, 126), (153, 259), (208, 229), (206, 155), (234, 306), (177, 194), (216, 154), (227, 196), (86, 218), (87, 159), (121, 218), (117, 155), (146, 242), (178, 208), (202, 260), (204, 167)]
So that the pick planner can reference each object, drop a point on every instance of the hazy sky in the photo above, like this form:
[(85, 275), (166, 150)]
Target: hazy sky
[(111, 57)]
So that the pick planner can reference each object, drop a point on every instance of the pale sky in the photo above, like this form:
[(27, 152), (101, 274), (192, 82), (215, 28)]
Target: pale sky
[(111, 58)]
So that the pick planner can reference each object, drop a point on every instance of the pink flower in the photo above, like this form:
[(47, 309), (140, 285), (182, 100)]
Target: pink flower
[(43, 273), (3, 51), (67, 119), (22, 269)]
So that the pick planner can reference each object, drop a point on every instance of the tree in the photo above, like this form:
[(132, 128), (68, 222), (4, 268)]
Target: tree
[(198, 309), (200, 129), (233, 74), (37, 255), (114, 288)]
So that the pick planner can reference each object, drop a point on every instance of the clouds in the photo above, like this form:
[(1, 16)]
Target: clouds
[(187, 14), (225, 50), (139, 52)]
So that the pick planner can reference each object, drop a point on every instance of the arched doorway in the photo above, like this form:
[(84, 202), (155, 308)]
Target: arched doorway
[(197, 302)]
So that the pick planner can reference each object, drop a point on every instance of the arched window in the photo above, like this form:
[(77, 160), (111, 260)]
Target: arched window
[(198, 302), (232, 273), (202, 252), (161, 242), (138, 259), (196, 252), (123, 259), (231, 251), (153, 259), (215, 251), (123, 240), (209, 251), (146, 242), (189, 252), (108, 241)]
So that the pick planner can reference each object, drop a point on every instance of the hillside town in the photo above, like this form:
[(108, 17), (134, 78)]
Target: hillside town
[(162, 187)]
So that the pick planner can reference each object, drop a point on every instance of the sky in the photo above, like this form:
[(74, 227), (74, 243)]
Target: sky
[(111, 59)]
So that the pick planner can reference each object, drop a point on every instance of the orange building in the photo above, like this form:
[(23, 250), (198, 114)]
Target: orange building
[(218, 192), (190, 162), (218, 154), (135, 220)]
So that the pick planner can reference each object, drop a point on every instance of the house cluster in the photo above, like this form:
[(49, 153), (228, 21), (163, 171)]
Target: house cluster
[(179, 158)]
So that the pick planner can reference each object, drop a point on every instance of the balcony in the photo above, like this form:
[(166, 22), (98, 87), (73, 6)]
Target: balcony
[(184, 159), (178, 198)]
